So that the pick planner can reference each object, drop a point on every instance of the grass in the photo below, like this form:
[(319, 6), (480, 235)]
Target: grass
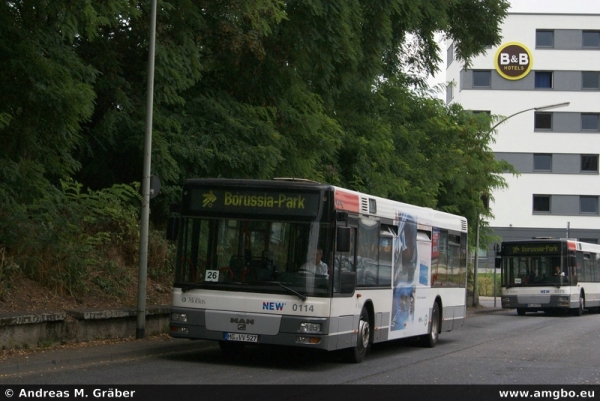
[(485, 284)]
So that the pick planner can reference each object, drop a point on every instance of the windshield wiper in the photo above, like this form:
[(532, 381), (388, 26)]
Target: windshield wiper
[(186, 288), (296, 293)]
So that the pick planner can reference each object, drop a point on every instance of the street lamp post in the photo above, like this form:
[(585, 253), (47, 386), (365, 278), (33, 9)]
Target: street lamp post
[(145, 218), (476, 261), (541, 108)]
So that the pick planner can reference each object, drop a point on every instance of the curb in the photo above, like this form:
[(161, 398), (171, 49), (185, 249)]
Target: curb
[(484, 311)]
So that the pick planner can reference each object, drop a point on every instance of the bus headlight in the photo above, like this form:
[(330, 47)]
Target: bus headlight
[(310, 327), (563, 301), (179, 317)]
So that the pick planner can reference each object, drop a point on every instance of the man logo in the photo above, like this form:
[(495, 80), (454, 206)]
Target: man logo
[(241, 322), (513, 61)]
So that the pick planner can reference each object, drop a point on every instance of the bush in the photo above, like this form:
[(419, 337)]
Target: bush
[(71, 236), (485, 284)]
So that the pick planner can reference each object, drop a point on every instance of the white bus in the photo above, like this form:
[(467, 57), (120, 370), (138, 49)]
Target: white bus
[(550, 275), (247, 268)]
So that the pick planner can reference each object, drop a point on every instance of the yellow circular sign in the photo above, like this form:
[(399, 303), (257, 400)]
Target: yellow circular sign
[(513, 61)]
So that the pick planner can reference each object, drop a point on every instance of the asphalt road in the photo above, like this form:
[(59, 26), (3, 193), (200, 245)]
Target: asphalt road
[(492, 348)]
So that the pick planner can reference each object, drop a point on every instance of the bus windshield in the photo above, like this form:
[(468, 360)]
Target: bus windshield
[(532, 271), (255, 256)]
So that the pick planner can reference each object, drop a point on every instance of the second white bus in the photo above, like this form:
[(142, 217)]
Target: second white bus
[(550, 275)]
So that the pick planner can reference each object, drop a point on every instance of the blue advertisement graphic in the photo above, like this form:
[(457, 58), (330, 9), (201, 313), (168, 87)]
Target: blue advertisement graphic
[(405, 266)]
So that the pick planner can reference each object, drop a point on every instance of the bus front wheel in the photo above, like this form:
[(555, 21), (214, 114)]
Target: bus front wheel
[(357, 353)]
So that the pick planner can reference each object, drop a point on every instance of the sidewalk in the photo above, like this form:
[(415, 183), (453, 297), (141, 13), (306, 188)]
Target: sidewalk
[(486, 305), (80, 354)]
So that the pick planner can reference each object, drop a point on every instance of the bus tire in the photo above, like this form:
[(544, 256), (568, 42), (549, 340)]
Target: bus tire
[(521, 311), (357, 353)]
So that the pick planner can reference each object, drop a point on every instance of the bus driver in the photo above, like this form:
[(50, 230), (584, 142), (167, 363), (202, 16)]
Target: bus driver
[(315, 264)]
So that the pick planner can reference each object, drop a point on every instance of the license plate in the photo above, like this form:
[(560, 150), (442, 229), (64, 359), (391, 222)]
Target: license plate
[(534, 305), (248, 338)]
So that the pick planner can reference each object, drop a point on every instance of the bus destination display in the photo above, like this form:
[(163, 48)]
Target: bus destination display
[(531, 249), (253, 201)]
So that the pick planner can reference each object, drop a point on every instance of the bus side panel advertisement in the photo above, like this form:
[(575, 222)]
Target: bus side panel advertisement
[(412, 261)]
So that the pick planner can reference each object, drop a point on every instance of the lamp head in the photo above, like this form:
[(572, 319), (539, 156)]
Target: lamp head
[(552, 106)]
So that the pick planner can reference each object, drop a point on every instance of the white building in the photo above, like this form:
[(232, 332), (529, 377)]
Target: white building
[(550, 54)]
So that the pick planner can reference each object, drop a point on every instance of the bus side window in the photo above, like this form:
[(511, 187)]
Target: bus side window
[(344, 261)]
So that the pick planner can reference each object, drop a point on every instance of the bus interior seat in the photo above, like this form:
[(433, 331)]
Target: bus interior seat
[(259, 269), (236, 264)]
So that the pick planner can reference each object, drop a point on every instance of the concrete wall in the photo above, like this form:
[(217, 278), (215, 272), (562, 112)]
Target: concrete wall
[(22, 330)]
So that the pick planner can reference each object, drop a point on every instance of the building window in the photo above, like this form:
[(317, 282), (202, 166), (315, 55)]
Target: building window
[(482, 79), (591, 39), (589, 121), (448, 93), (544, 38), (543, 120), (542, 162), (590, 80), (543, 79), (589, 163), (588, 204), (541, 203), (450, 55)]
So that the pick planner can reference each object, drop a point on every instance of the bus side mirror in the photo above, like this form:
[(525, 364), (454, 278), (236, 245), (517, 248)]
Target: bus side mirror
[(172, 228), (343, 239), (497, 256), (572, 261)]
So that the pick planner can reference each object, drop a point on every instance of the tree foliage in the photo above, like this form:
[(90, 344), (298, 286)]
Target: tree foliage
[(247, 88)]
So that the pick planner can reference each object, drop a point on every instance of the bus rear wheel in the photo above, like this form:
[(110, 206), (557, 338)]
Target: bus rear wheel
[(430, 339), (521, 311), (357, 353)]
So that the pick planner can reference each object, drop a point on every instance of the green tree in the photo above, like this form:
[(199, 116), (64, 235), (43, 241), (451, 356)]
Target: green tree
[(245, 88)]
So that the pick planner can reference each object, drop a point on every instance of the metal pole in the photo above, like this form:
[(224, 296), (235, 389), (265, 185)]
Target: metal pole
[(494, 284), (475, 266), (143, 268)]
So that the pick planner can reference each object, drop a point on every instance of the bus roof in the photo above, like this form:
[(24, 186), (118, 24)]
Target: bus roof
[(346, 200)]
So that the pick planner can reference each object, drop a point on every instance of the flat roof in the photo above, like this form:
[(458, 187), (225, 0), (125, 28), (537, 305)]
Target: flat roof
[(589, 7)]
